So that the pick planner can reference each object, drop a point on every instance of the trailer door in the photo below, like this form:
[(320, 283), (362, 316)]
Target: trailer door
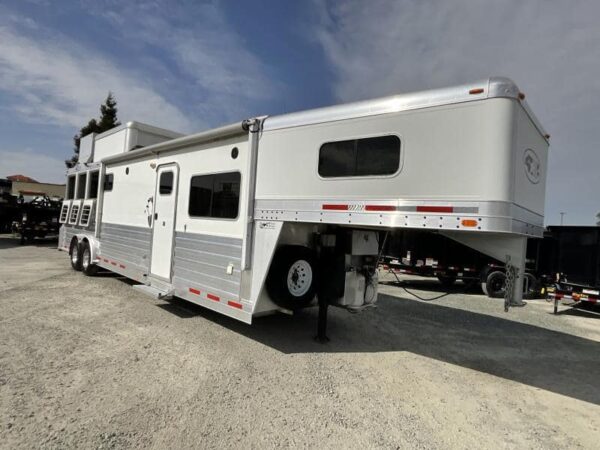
[(164, 221)]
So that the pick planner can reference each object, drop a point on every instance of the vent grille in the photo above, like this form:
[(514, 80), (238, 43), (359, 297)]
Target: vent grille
[(74, 214), (64, 213), (86, 212)]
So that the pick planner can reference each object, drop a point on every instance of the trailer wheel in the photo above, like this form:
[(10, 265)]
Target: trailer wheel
[(292, 279), (531, 287), (495, 284), (88, 267), (75, 253), (447, 280)]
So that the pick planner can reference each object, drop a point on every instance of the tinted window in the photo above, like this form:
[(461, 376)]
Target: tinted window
[(215, 195), (108, 182), (81, 185), (165, 187), (94, 178), (71, 187), (360, 157)]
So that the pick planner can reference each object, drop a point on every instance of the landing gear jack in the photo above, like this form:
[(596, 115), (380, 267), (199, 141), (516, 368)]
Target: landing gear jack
[(321, 336)]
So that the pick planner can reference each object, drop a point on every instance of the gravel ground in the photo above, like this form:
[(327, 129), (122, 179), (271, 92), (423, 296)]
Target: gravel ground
[(91, 363)]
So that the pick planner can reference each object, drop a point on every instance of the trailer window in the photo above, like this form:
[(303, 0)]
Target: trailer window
[(216, 195), (108, 182), (71, 187), (94, 179), (165, 186), (81, 185), (360, 157)]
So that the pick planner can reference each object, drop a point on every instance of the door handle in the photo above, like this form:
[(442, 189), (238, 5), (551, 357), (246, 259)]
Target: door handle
[(155, 216)]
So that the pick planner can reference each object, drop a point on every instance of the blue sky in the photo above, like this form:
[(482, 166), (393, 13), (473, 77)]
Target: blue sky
[(191, 65)]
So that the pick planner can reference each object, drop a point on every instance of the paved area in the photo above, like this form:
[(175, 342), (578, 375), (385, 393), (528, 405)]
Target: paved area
[(91, 363)]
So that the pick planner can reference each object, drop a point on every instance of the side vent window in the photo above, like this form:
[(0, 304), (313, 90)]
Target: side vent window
[(74, 213), (375, 156), (215, 195), (86, 213), (64, 212)]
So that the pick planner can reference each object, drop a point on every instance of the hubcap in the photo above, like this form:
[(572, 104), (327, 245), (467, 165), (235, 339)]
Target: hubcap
[(299, 279)]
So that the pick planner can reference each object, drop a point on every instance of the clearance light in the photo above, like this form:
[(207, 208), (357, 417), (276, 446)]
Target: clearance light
[(468, 223), (521, 96), (476, 91)]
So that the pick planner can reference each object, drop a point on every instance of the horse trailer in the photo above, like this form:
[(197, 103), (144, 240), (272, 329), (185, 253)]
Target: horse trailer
[(270, 213)]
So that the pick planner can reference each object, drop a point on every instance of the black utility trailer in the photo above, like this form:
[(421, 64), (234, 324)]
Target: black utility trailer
[(570, 260), (431, 254), (39, 218)]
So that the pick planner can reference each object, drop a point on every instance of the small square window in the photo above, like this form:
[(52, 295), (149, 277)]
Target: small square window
[(165, 186)]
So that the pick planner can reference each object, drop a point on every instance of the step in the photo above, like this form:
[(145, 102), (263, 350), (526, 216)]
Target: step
[(153, 291)]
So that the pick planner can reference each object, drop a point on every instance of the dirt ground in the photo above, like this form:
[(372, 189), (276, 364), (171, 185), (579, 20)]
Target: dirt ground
[(91, 363)]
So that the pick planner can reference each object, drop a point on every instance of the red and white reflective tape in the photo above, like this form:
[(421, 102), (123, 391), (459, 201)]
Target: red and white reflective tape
[(114, 263), (215, 298), (438, 209)]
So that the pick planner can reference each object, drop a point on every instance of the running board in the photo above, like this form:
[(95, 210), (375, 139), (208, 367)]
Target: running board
[(153, 292)]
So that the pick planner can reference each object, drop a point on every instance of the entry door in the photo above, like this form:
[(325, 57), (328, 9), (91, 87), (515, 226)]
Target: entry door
[(164, 221)]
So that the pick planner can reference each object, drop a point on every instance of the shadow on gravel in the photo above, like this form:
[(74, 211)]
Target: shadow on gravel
[(550, 360), (9, 241)]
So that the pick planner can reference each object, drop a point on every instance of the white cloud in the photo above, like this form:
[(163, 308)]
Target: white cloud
[(223, 75), (40, 167), (550, 48), (57, 80)]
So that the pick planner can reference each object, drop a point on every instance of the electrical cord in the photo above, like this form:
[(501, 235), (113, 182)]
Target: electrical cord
[(415, 295)]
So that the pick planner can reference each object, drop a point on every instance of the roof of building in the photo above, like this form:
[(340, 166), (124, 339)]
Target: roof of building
[(22, 178)]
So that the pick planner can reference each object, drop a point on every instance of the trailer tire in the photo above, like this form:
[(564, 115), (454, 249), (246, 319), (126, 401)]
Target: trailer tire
[(447, 280), (495, 284), (87, 266), (533, 286), (75, 254), (292, 279)]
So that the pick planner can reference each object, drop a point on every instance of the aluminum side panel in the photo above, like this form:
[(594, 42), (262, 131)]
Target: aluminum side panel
[(127, 244), (201, 263)]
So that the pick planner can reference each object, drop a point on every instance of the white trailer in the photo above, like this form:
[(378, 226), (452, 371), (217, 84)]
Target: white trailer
[(267, 214)]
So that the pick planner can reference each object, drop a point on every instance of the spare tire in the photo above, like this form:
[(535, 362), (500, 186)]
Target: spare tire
[(292, 279)]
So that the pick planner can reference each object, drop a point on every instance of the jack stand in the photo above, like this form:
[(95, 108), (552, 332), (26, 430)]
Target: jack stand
[(321, 336)]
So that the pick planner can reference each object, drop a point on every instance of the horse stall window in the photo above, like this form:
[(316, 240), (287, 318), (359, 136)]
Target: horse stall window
[(81, 185), (215, 195), (70, 187), (94, 180), (374, 156)]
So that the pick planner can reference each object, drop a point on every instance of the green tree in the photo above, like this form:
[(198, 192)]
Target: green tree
[(108, 120)]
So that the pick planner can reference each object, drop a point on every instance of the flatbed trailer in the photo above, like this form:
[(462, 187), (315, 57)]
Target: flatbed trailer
[(570, 257), (270, 213)]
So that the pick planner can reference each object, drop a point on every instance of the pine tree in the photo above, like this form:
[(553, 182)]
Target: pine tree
[(108, 120)]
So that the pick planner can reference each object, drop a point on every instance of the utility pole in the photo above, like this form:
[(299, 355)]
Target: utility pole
[(562, 216)]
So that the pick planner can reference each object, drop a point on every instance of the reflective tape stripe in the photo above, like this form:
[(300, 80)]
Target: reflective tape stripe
[(194, 291), (234, 304), (213, 297)]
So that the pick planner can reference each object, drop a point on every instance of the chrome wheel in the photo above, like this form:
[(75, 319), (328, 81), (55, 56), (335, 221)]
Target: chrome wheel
[(299, 278), (75, 254), (86, 257)]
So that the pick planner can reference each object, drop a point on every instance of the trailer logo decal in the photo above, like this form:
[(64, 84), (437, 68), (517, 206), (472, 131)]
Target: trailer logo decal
[(532, 166)]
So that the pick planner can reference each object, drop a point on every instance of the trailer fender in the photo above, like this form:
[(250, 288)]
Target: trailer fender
[(93, 242)]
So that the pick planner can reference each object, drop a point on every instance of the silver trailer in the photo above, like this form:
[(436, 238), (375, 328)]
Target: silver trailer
[(268, 214)]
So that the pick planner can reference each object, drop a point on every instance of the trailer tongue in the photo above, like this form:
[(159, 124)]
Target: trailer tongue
[(270, 213)]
